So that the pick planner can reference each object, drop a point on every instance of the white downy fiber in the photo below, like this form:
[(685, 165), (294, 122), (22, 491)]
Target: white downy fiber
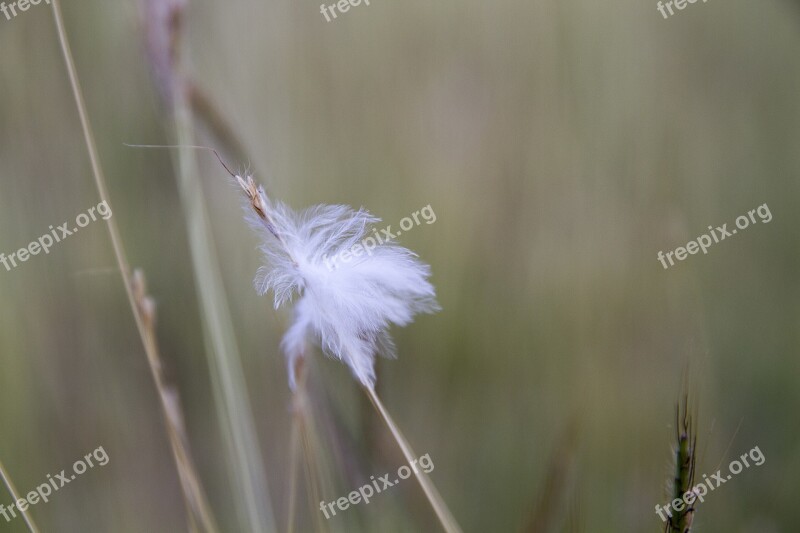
[(347, 310)]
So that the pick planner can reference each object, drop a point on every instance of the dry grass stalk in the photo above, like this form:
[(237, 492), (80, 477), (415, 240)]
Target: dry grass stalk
[(10, 486), (299, 403), (440, 508), (196, 502), (313, 468), (299, 440), (305, 439), (141, 306)]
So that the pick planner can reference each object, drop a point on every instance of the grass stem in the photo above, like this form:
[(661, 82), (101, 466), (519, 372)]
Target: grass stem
[(10, 486), (440, 508), (193, 493), (227, 373)]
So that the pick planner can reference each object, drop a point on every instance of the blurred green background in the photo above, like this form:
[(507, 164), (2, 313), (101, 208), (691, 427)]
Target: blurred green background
[(562, 144)]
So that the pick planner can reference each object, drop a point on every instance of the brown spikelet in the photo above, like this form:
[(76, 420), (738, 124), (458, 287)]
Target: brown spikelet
[(258, 201), (255, 194)]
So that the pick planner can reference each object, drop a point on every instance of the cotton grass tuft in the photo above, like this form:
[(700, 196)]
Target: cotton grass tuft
[(346, 310)]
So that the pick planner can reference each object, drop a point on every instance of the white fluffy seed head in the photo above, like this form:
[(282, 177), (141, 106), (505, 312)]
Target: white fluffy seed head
[(348, 306)]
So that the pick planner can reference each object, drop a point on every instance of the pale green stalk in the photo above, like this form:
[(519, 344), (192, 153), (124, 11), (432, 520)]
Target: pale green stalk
[(229, 385)]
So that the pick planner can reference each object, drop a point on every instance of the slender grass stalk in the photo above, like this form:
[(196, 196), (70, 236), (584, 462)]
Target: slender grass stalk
[(298, 408), (97, 171), (294, 459), (442, 512), (304, 438), (313, 470), (193, 493), (10, 486), (230, 388), (163, 23)]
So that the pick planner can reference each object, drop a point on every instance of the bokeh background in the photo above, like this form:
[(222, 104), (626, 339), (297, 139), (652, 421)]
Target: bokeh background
[(561, 144)]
